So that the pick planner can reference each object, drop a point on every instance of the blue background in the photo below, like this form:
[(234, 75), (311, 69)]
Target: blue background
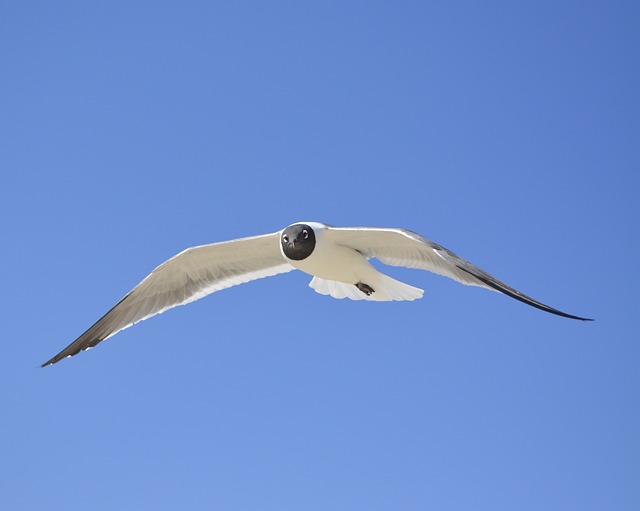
[(506, 131)]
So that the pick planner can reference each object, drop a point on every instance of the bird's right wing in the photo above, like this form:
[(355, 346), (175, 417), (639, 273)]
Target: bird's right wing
[(186, 277)]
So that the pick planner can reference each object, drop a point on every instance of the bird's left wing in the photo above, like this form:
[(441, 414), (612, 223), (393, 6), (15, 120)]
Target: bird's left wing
[(186, 277), (400, 247)]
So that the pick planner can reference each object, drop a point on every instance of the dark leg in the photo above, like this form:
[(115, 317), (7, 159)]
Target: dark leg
[(367, 290)]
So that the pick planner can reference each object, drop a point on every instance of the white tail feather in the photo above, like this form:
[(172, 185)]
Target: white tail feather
[(385, 289)]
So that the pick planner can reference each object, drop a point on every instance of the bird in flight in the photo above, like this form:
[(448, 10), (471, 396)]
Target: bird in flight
[(336, 257)]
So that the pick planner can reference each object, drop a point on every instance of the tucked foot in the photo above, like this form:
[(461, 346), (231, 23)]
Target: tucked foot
[(367, 290)]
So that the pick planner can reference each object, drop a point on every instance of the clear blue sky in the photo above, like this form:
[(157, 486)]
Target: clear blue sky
[(506, 131)]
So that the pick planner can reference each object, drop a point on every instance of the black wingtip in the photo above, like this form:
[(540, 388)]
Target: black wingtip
[(50, 362), (60, 356), (570, 316), (509, 291)]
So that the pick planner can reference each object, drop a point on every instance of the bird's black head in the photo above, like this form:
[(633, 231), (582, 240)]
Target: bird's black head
[(298, 241)]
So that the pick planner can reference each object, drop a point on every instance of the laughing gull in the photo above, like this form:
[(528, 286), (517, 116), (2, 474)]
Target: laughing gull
[(336, 257)]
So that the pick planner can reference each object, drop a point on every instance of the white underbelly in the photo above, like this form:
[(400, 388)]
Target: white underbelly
[(335, 262)]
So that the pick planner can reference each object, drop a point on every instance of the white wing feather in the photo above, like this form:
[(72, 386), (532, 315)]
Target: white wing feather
[(186, 277), (400, 247)]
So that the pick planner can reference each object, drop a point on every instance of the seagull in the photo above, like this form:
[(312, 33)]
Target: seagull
[(336, 257)]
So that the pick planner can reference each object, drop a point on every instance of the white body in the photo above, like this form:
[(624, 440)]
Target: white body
[(337, 269)]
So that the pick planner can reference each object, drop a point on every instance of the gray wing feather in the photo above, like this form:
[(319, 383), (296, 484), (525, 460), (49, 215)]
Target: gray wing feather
[(186, 277), (400, 247)]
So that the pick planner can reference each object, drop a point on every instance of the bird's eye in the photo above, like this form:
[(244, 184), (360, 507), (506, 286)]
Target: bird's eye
[(305, 234), (285, 238)]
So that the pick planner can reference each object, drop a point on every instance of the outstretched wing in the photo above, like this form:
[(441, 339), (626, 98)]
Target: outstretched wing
[(186, 277), (400, 247)]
